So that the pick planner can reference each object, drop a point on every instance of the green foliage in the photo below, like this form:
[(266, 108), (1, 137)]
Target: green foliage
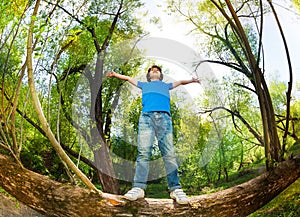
[(135, 111), (12, 38), (296, 4), (158, 190), (32, 159), (123, 149), (11, 11), (176, 121), (295, 114), (295, 148), (277, 91), (219, 39), (62, 45), (221, 148), (127, 23)]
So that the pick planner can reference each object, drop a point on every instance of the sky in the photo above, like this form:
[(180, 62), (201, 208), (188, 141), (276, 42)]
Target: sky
[(273, 45), (275, 58)]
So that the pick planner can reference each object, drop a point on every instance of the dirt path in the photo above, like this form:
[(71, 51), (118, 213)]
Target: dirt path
[(12, 208)]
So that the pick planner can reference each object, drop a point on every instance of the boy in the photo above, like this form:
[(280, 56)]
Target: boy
[(155, 121)]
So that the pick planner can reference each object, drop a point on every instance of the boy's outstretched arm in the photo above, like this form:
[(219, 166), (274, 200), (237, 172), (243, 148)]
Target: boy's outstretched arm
[(183, 82), (122, 77)]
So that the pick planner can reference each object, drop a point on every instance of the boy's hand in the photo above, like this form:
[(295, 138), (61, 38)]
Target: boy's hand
[(122, 77), (195, 80), (110, 74)]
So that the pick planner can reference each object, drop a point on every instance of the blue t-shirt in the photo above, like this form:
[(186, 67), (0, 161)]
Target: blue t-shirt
[(155, 96)]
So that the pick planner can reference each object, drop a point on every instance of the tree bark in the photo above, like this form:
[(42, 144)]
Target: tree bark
[(57, 199)]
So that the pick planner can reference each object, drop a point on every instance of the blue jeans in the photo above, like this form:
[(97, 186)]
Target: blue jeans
[(159, 125)]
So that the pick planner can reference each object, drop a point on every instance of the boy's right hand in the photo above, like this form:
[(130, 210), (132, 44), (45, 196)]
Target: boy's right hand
[(110, 74)]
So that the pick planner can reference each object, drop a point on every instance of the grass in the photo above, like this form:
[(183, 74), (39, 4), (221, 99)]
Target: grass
[(157, 190), (3, 192), (7, 195), (286, 204)]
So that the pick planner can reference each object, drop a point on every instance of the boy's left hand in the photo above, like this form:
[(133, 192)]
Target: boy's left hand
[(110, 74), (195, 80)]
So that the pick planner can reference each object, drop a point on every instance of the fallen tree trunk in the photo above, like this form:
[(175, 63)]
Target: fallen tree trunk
[(57, 199)]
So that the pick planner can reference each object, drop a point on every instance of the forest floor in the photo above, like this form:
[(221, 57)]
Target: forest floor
[(10, 207)]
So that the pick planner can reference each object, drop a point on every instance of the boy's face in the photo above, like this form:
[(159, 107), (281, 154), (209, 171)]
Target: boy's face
[(154, 74)]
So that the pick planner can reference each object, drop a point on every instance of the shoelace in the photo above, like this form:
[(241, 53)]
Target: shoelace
[(180, 193), (134, 191)]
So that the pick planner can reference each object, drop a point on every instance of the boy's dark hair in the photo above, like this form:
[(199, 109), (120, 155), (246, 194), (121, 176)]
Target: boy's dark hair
[(159, 69)]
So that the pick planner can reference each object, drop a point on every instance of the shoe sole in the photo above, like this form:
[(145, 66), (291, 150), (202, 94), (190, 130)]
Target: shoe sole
[(132, 199), (181, 203)]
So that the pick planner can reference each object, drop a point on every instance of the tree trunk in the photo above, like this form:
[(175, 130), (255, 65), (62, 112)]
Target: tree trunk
[(99, 145), (56, 199), (105, 170), (271, 139)]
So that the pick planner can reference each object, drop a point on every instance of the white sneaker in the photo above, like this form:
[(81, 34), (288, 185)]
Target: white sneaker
[(179, 196), (134, 194)]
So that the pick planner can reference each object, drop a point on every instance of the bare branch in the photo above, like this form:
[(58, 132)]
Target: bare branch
[(237, 114), (290, 83)]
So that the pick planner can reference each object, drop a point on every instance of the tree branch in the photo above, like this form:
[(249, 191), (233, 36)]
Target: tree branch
[(39, 110), (56, 199), (237, 114), (290, 83)]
